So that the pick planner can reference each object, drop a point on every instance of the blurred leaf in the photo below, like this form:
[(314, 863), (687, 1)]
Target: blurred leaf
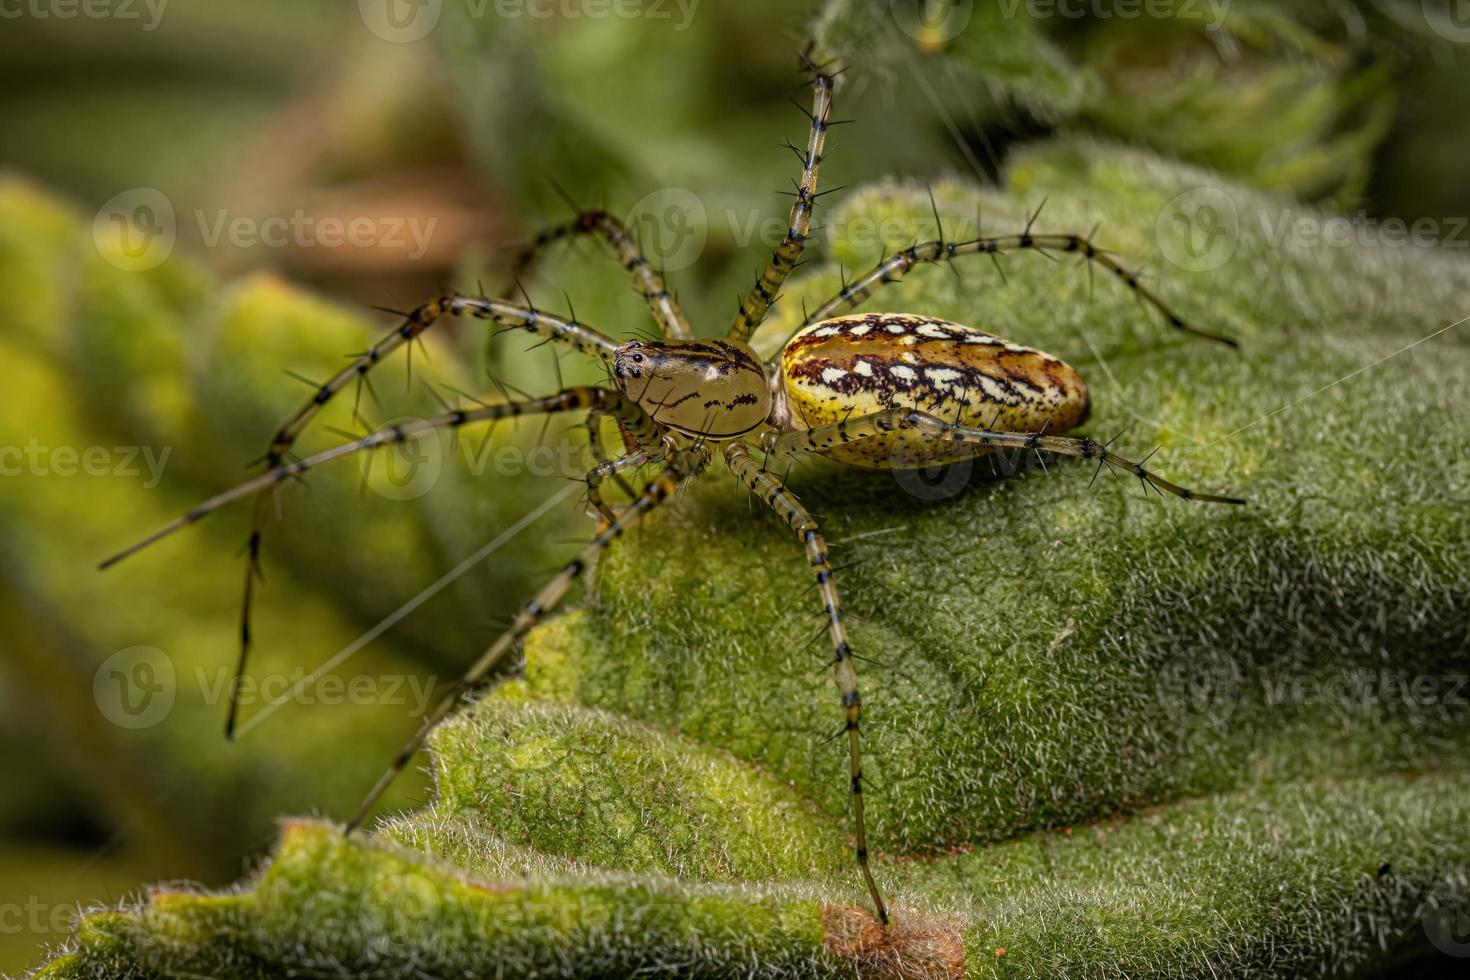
[(1294, 97), (1256, 96), (976, 54), (130, 397)]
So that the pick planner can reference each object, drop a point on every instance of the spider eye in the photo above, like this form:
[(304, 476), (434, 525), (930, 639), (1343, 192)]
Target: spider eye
[(637, 358)]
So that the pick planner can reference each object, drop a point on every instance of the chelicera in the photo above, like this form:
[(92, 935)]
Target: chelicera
[(879, 390)]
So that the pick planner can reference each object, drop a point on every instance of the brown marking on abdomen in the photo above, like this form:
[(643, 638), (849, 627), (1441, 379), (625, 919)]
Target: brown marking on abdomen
[(854, 366)]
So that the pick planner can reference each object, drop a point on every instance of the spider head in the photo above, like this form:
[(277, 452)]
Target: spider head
[(711, 388)]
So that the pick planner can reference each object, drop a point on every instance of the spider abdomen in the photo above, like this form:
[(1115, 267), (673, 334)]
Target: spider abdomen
[(853, 366)]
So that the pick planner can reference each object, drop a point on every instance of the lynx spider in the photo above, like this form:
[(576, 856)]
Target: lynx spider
[(877, 390)]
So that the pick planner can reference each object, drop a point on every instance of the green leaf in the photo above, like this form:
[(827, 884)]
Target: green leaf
[(130, 397), (1106, 734)]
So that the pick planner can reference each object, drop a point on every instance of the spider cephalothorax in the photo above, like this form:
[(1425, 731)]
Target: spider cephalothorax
[(716, 389), (887, 390)]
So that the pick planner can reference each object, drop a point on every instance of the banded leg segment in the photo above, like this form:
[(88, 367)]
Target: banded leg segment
[(512, 315), (613, 469), (682, 464), (880, 423), (756, 302), (894, 267), (790, 509), (610, 402), (646, 279), (603, 400), (579, 336), (594, 441)]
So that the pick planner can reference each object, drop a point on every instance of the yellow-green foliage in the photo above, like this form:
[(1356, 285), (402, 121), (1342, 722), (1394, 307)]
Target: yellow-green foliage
[(130, 396)]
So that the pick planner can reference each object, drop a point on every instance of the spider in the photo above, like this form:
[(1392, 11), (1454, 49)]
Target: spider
[(878, 390)]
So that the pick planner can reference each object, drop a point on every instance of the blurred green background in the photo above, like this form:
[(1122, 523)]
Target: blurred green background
[(203, 121)]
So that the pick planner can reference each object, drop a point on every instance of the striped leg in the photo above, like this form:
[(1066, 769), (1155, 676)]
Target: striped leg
[(646, 279), (876, 425), (790, 510), (601, 458), (613, 469), (682, 464), (511, 315), (894, 267), (606, 401), (753, 308), (603, 400)]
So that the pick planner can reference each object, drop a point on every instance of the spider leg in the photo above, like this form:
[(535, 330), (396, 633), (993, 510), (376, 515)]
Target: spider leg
[(600, 456), (756, 302), (771, 490), (646, 279), (597, 399), (681, 465), (893, 268), (511, 315), (603, 400), (613, 469), (871, 426)]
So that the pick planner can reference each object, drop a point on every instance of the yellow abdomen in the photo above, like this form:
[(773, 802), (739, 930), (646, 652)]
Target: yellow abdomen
[(853, 366)]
